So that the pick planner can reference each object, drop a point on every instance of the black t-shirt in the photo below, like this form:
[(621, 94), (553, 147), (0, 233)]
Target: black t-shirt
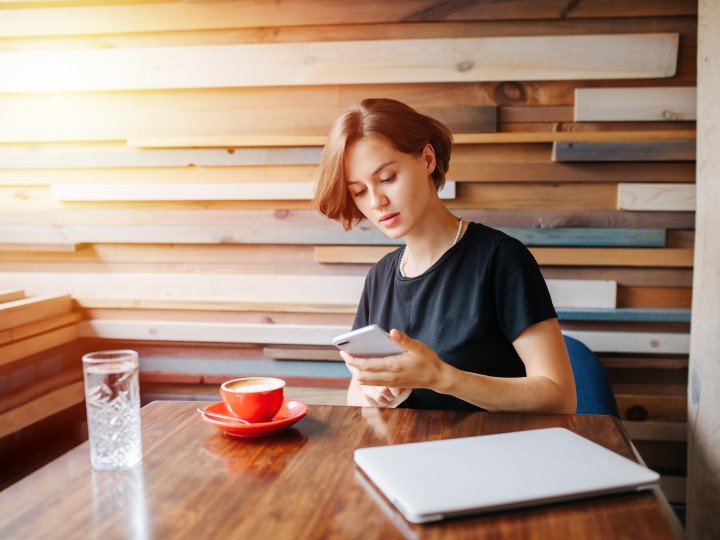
[(469, 306)]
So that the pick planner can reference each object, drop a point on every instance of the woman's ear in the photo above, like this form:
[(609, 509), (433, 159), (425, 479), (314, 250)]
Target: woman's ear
[(429, 157)]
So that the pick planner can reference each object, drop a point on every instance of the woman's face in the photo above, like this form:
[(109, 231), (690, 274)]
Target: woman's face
[(392, 189)]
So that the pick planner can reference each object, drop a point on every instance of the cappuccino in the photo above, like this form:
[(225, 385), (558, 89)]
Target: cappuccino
[(255, 399), (254, 385)]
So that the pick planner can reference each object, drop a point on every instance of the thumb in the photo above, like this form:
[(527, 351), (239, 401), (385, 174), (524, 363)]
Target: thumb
[(404, 341)]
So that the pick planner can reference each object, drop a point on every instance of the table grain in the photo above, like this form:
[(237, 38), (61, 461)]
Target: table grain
[(196, 482)]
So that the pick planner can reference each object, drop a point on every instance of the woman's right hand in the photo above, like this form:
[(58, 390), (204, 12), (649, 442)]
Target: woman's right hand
[(384, 396), (374, 396)]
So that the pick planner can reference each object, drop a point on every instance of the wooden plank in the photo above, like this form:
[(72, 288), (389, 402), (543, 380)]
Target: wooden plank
[(274, 334), (658, 363), (633, 342), (557, 113), (303, 353), (196, 192), (703, 494), (211, 333), (458, 138), (629, 277), (80, 19), (39, 327), (652, 408), (9, 295), (668, 150), (298, 290), (655, 297), (464, 119), (652, 197), (632, 56), (51, 403), (123, 156), (33, 345), (292, 232), (62, 247), (191, 119), (665, 257), (635, 104), (656, 431), (668, 257), (625, 314), (530, 218), (29, 310), (39, 385), (295, 174), (467, 171), (303, 292), (518, 195), (223, 113)]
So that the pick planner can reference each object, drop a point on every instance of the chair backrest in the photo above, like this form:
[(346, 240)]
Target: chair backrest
[(594, 393)]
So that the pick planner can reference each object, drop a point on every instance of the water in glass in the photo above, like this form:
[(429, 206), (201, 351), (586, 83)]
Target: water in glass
[(112, 398)]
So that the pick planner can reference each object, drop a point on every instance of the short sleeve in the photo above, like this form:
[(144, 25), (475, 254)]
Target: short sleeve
[(521, 295), (363, 310)]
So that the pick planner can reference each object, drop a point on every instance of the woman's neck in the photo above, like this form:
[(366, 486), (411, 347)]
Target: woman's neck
[(426, 244)]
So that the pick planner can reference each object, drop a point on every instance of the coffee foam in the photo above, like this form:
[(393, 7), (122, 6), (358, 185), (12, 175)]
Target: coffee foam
[(253, 385)]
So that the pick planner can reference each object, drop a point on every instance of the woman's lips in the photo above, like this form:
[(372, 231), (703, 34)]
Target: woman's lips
[(389, 220)]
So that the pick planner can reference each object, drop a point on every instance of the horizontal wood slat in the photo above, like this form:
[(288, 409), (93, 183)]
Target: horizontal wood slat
[(635, 104), (669, 150), (18, 350), (285, 191), (458, 138), (475, 171), (68, 18), (44, 325), (59, 247), (51, 403), (8, 295), (303, 353), (652, 197), (322, 63), (669, 257), (531, 218), (261, 290), (635, 342), (28, 310), (126, 157), (625, 314), (293, 232)]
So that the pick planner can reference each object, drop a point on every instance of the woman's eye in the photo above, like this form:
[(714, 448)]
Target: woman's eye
[(388, 179), (359, 193)]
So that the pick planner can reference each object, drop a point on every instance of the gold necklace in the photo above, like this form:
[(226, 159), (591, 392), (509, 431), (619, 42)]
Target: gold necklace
[(403, 259)]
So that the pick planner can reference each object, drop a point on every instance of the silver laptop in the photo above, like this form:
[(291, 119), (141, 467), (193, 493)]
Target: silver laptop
[(430, 481)]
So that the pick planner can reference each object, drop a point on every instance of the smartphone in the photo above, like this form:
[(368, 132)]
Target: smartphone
[(367, 342)]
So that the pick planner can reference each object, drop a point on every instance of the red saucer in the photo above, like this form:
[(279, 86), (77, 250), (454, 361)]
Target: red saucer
[(290, 412)]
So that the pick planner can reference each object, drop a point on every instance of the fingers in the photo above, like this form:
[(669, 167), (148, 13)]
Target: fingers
[(382, 396)]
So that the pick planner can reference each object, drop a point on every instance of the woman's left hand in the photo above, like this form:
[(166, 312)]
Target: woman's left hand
[(417, 367)]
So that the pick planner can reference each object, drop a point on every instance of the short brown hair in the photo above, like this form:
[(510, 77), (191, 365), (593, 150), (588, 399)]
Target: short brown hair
[(400, 125)]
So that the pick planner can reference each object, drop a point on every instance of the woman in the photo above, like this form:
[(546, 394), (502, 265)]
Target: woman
[(466, 303)]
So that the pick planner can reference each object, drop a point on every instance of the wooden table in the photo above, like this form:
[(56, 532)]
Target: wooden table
[(195, 482)]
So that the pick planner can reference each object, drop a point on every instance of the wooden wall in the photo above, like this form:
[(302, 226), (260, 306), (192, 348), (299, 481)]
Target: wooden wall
[(703, 521), (156, 163)]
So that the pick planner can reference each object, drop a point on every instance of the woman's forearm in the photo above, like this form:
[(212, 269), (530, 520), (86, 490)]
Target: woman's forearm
[(526, 394)]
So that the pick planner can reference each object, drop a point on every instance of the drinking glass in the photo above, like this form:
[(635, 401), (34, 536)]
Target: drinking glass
[(112, 399)]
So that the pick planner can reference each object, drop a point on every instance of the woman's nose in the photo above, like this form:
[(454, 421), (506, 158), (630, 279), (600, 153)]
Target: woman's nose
[(377, 199)]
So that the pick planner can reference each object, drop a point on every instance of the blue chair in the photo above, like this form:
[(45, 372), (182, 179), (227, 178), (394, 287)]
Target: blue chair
[(594, 393)]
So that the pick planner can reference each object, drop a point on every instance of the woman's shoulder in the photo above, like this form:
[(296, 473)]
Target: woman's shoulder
[(477, 233), (387, 265)]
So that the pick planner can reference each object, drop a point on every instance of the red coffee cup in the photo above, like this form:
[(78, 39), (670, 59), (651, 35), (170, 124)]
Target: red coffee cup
[(255, 399)]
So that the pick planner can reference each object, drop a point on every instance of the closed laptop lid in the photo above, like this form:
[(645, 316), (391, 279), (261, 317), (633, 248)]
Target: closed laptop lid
[(429, 481)]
